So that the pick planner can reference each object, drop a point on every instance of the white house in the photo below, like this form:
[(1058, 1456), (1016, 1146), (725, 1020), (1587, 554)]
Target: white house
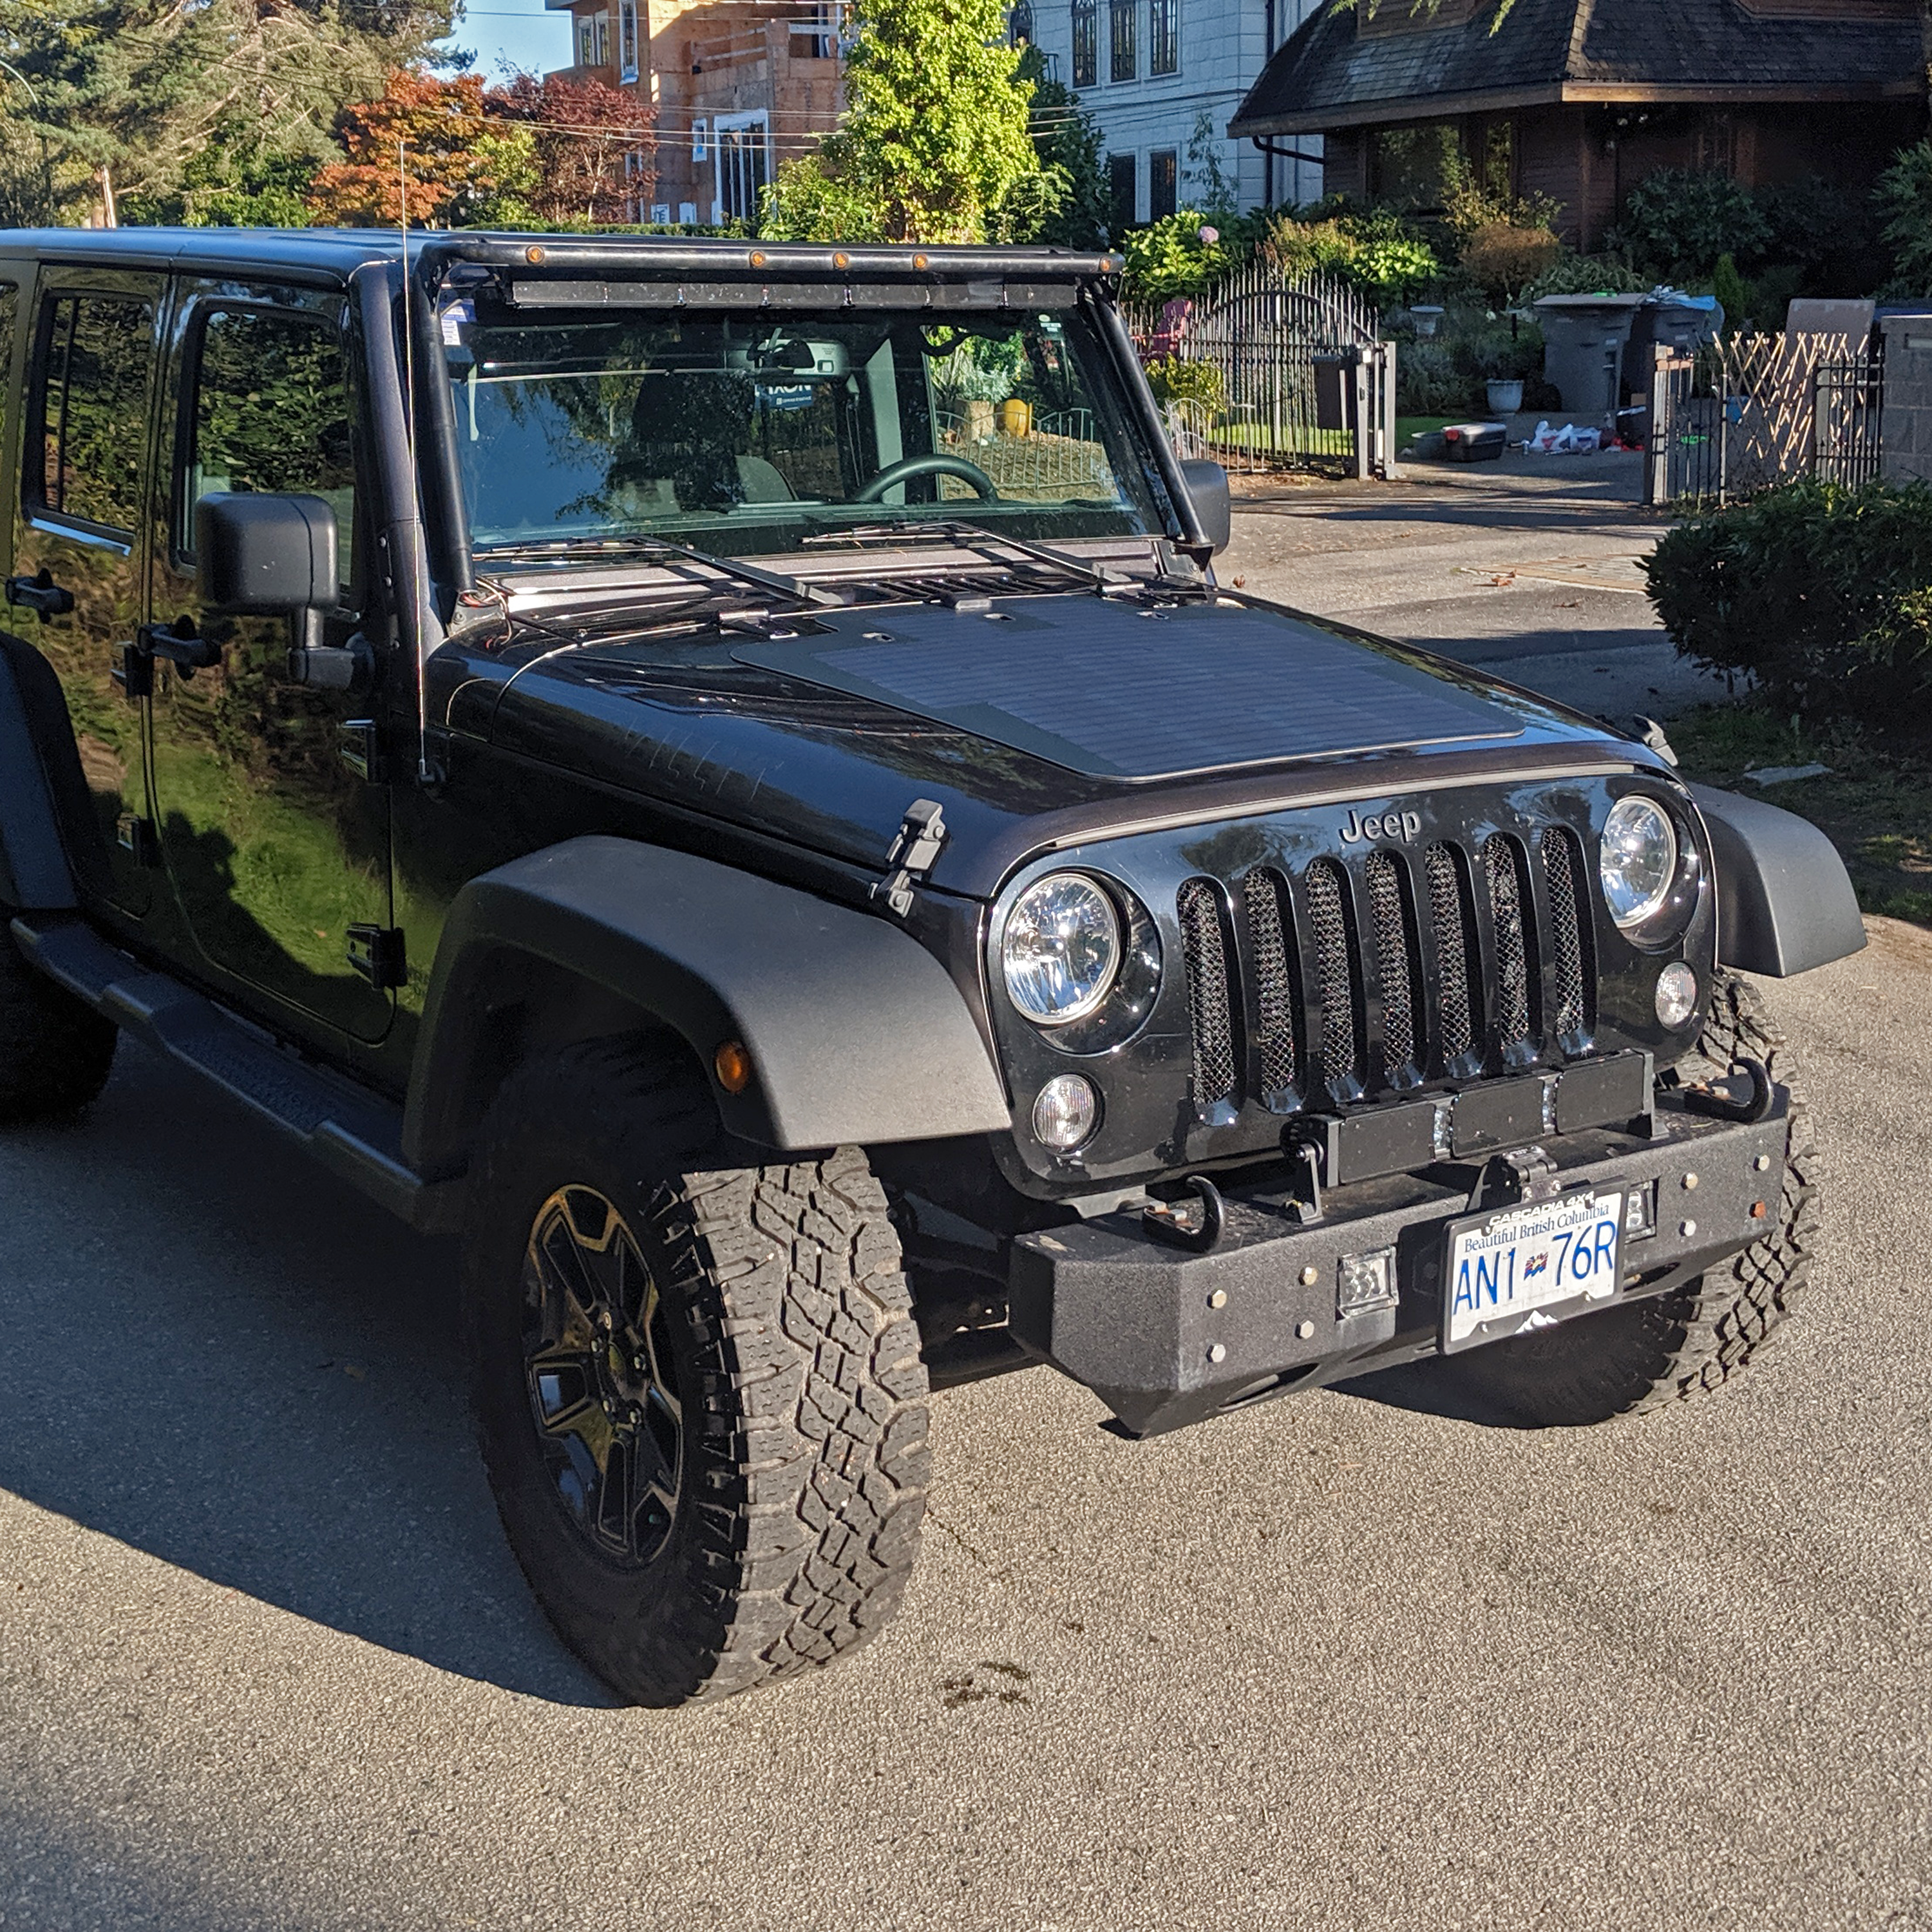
[(1149, 70)]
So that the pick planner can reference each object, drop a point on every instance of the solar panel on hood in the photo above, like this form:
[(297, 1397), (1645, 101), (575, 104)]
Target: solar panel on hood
[(1114, 691)]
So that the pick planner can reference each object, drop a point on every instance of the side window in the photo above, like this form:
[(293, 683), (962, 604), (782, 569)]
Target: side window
[(269, 413), (95, 351)]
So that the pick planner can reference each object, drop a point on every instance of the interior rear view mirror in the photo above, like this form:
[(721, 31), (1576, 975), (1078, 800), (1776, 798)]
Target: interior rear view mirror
[(264, 556)]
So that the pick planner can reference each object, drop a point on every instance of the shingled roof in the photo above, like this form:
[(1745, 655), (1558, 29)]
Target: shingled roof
[(1331, 73)]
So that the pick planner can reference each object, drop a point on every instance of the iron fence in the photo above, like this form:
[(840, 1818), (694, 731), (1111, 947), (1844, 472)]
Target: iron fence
[(1744, 414), (1303, 377)]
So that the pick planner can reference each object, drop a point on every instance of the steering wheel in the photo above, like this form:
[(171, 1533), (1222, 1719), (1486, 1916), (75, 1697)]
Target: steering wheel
[(935, 465)]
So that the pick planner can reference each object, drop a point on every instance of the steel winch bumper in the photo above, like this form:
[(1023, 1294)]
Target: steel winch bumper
[(1166, 1337)]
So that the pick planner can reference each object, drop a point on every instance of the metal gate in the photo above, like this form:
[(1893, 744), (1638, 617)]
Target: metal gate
[(1744, 414), (1305, 380)]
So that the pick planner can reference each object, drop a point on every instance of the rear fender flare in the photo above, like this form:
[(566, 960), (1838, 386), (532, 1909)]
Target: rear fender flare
[(856, 1033), (38, 764)]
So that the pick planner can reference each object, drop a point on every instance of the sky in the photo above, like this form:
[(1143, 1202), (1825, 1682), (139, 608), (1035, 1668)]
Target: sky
[(516, 34)]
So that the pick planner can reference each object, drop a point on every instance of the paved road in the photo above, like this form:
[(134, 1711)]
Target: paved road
[(1529, 570), (264, 1662)]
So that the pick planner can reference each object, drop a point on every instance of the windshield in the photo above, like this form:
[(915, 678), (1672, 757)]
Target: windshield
[(749, 434)]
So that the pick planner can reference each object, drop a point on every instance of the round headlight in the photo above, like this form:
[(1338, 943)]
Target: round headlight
[(1062, 948), (1639, 860)]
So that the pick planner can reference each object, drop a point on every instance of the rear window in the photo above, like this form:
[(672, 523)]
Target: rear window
[(95, 354)]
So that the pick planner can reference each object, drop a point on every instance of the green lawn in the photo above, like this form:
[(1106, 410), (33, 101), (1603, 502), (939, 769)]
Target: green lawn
[(1408, 428), (1876, 805)]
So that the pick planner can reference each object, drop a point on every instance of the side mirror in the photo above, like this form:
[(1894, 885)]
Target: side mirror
[(1208, 484), (264, 556)]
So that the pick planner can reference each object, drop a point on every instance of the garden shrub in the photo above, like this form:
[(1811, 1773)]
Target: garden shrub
[(1675, 223), (1168, 257), (1426, 381), (1587, 275), (1823, 594), (1503, 260), (1173, 379)]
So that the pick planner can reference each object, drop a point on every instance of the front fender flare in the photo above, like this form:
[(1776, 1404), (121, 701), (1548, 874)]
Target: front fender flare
[(856, 1033), (1785, 901)]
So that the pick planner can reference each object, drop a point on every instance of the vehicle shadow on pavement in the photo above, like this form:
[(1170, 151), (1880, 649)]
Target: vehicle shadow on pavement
[(1429, 1388), (215, 1352)]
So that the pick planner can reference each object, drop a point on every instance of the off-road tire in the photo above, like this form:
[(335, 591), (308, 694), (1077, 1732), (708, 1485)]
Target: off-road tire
[(804, 1459), (1669, 1348), (55, 1053)]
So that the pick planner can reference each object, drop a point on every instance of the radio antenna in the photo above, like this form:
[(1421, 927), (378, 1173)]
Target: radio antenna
[(425, 771)]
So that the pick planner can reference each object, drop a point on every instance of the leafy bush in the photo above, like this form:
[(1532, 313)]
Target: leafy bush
[(1376, 250), (1503, 259), (1587, 275), (1427, 382), (1175, 379), (1904, 197), (1675, 224), (1823, 594), (1169, 258)]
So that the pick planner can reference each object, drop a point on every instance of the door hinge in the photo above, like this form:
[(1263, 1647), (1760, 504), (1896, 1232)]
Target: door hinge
[(359, 742), (136, 837), (133, 671), (377, 953), (921, 834)]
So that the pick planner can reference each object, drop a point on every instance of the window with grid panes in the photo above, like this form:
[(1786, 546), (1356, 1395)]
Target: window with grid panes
[(1163, 37), (1123, 49), (1086, 42)]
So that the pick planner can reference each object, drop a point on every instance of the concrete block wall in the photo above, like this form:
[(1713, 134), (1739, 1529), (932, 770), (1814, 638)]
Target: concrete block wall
[(1905, 429)]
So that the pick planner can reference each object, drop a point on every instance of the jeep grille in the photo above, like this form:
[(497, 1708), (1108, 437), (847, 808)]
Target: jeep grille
[(1378, 974)]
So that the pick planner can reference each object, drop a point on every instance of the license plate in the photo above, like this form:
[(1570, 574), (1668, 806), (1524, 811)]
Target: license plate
[(1528, 1267)]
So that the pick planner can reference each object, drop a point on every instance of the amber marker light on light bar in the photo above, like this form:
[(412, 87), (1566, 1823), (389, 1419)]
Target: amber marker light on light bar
[(733, 1066)]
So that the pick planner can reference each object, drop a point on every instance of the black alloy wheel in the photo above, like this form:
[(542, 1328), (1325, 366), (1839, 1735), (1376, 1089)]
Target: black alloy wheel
[(697, 1379), (602, 1376)]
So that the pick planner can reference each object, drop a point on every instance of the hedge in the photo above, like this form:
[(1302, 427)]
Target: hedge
[(1823, 594)]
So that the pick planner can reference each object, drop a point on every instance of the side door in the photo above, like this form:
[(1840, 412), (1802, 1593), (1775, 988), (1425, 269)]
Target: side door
[(79, 513), (276, 850)]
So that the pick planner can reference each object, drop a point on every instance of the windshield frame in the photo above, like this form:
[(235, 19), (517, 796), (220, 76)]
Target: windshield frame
[(1081, 316)]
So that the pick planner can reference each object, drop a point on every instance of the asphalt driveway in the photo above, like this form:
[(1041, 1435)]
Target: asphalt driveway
[(264, 1661)]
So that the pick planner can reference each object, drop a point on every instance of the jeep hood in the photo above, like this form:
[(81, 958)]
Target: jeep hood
[(1033, 721)]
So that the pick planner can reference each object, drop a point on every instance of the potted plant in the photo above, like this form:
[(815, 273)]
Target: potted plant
[(1505, 395)]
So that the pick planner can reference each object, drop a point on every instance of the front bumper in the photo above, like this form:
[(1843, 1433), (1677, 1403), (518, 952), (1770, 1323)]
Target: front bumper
[(1166, 1338)]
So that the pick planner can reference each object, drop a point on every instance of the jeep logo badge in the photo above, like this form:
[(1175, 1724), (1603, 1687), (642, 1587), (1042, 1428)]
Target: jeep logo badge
[(1405, 825)]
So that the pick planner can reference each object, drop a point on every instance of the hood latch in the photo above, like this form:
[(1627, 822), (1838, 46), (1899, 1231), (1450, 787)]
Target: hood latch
[(922, 834)]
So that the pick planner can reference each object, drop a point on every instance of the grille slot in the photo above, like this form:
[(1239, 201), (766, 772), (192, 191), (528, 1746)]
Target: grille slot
[(1458, 967), (1505, 866), (1336, 974), (1209, 994), (1572, 936), (1277, 1003), (1395, 962)]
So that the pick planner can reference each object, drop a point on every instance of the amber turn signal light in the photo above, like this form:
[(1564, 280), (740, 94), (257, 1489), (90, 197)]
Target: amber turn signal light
[(733, 1065)]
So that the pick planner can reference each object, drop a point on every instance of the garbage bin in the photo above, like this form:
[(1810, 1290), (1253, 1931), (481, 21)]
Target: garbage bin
[(1668, 320), (1584, 338)]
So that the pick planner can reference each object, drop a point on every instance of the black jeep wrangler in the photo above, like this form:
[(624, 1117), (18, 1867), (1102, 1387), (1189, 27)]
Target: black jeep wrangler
[(722, 774)]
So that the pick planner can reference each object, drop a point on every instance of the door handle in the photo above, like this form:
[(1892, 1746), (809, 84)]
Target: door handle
[(40, 593), (189, 651)]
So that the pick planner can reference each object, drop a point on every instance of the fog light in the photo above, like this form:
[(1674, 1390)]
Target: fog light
[(1366, 1281), (1066, 1111), (1676, 994)]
